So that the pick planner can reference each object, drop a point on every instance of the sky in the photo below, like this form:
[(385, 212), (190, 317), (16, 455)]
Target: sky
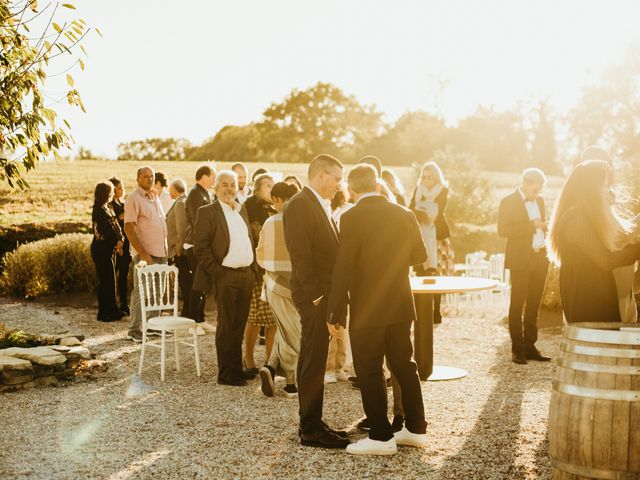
[(186, 69)]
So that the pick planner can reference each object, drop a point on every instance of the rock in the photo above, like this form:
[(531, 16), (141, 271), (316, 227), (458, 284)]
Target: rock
[(47, 339), (46, 381), (78, 335), (69, 341), (66, 373), (42, 370), (60, 348), (17, 379), (13, 363), (81, 352), (38, 355)]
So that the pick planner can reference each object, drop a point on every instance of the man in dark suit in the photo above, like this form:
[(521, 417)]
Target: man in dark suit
[(176, 231), (198, 197), (224, 250), (312, 240), (522, 220), (379, 242)]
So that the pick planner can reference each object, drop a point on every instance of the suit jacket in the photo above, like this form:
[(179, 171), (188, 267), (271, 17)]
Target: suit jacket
[(441, 224), (313, 246), (211, 244), (514, 224), (379, 242), (176, 225), (198, 197)]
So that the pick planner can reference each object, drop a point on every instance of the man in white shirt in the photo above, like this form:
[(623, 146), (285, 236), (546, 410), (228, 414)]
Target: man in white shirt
[(161, 189), (244, 190), (521, 219), (222, 244)]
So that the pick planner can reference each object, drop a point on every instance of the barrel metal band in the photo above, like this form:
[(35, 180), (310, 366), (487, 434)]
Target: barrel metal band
[(597, 393), (599, 333), (590, 472), (599, 351), (599, 368)]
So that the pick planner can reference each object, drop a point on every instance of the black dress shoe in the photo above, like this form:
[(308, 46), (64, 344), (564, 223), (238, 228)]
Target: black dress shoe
[(323, 439), (253, 370), (246, 375), (340, 433), (534, 354), (124, 310), (519, 358), (364, 425), (234, 382), (397, 423)]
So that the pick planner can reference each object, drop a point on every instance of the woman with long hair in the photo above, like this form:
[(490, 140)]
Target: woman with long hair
[(429, 203), (259, 209), (123, 261), (588, 239), (273, 256), (107, 241), (395, 185)]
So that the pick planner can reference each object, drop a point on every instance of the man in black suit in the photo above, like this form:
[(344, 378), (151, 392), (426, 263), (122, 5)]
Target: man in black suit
[(522, 220), (312, 240), (223, 247), (379, 242), (198, 197)]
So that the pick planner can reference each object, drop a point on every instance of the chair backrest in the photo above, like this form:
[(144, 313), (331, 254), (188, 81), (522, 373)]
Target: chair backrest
[(474, 257), (479, 268), (158, 286), (496, 267)]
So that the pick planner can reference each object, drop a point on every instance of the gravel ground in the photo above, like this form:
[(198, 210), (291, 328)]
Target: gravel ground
[(114, 425)]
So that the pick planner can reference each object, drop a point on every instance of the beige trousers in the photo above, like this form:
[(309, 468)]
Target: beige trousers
[(286, 346)]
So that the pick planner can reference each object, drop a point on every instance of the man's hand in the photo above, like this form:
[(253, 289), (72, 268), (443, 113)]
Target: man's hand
[(146, 258), (119, 248), (335, 330), (540, 224)]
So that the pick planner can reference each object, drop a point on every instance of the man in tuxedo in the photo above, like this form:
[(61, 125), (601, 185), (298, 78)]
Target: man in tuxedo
[(198, 197), (379, 242), (522, 220), (223, 247), (311, 237)]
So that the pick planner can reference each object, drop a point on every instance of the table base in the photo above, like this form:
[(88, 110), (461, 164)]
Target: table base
[(441, 373)]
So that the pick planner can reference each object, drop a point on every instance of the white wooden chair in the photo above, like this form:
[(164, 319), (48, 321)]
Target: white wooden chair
[(158, 286), (498, 272)]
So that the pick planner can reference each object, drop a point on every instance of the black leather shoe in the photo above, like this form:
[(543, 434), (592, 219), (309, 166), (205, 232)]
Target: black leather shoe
[(340, 433), (534, 354), (397, 423), (323, 439), (236, 382), (364, 425), (519, 358), (246, 375)]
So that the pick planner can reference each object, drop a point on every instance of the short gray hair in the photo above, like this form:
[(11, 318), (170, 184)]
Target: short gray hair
[(534, 175), (363, 178), (226, 173), (180, 185)]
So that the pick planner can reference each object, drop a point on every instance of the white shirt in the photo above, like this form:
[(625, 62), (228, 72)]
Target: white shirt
[(166, 201), (240, 252), (534, 214), (243, 194), (326, 204)]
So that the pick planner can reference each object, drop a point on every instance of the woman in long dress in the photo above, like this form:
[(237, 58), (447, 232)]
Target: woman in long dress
[(273, 256)]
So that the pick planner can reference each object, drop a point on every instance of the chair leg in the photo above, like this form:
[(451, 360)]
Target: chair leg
[(177, 353), (144, 343), (196, 351), (162, 356)]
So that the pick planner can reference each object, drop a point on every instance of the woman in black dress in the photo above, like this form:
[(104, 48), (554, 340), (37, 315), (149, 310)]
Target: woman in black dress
[(107, 240), (588, 239), (123, 261)]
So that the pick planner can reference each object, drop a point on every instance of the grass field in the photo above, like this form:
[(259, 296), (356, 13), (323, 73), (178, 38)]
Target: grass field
[(62, 192)]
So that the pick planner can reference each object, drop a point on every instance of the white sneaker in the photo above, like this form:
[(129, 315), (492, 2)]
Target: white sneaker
[(330, 377), (408, 439), (207, 327), (342, 376), (366, 446)]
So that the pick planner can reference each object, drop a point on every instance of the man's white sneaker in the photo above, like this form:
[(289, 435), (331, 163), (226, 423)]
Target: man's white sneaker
[(366, 446), (330, 377), (406, 438), (342, 376)]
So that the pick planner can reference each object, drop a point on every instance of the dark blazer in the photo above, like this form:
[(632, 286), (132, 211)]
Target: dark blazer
[(312, 245), (198, 197), (176, 226), (514, 224), (379, 242), (211, 244), (441, 224)]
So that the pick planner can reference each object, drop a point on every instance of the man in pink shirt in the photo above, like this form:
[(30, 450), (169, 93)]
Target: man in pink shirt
[(146, 229)]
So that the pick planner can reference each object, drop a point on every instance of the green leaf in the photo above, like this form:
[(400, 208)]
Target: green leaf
[(81, 64), (68, 5), (99, 33), (83, 50), (57, 27), (67, 124), (70, 80)]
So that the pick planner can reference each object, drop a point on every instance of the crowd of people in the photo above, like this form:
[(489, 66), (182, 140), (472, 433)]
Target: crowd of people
[(302, 263)]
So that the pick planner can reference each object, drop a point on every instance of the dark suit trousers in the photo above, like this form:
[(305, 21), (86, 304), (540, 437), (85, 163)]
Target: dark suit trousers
[(314, 347), (233, 295), (106, 275), (185, 280), (527, 287), (122, 273), (369, 346), (196, 300)]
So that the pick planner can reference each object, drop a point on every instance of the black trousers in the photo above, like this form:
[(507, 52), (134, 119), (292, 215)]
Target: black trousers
[(233, 295), (196, 299), (106, 276), (527, 287), (312, 362), (369, 346), (122, 277), (185, 280)]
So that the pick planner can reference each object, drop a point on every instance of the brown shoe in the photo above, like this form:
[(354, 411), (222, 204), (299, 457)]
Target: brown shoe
[(519, 358)]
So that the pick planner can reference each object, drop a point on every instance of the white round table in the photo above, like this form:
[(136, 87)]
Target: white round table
[(423, 289)]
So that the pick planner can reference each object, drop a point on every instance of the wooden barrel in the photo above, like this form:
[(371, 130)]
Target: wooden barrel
[(594, 416)]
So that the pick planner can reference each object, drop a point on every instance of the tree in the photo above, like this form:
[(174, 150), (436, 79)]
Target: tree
[(543, 146), (154, 149), (230, 144), (29, 129), (321, 119)]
